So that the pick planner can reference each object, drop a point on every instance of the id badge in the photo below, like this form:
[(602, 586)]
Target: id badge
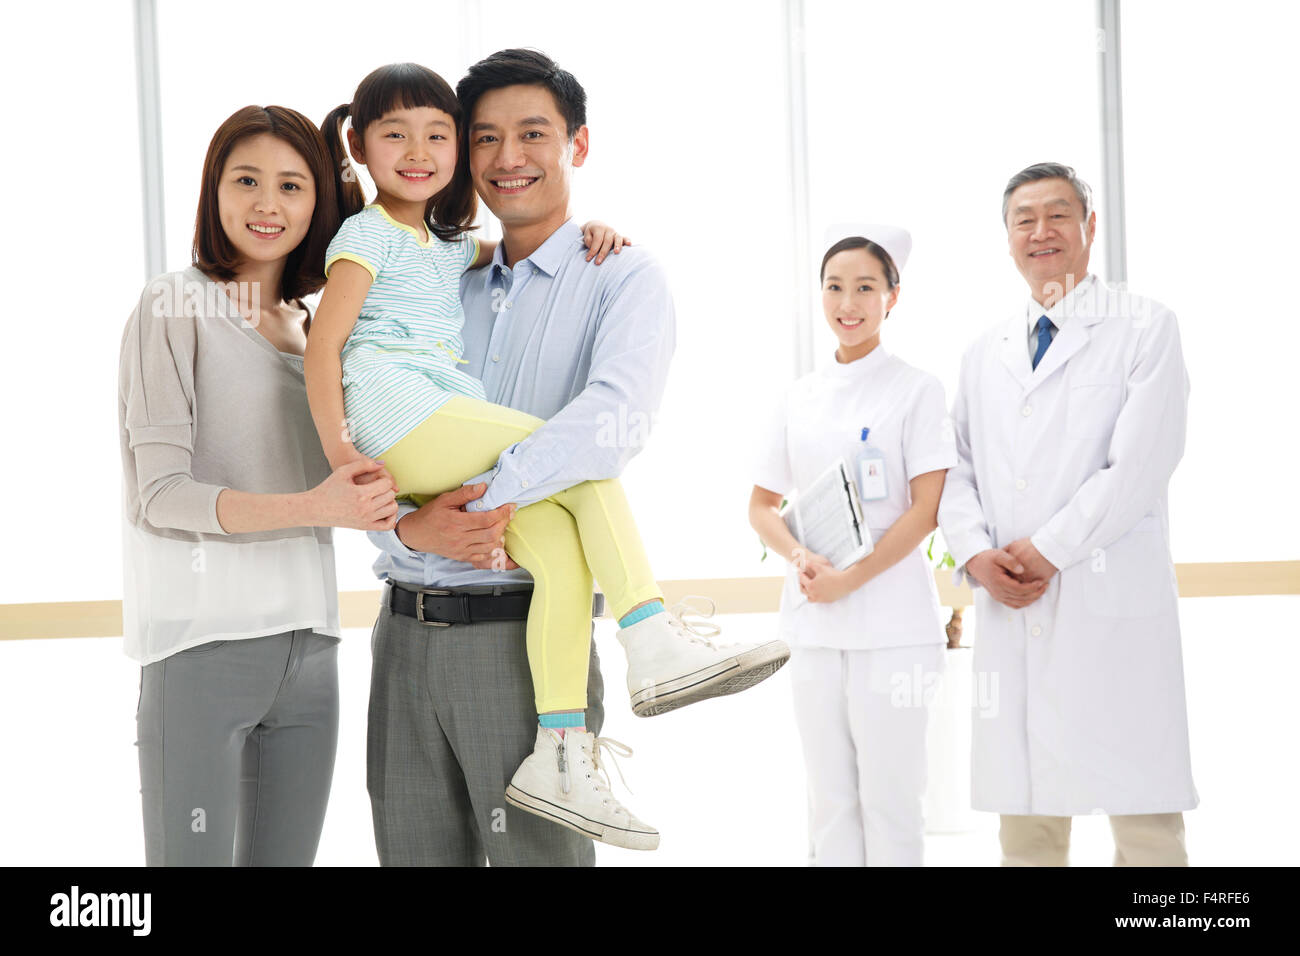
[(871, 475)]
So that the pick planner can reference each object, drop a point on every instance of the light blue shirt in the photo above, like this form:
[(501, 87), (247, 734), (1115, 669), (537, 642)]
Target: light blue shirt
[(585, 347)]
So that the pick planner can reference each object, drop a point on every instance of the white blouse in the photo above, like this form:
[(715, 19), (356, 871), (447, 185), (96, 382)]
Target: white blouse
[(820, 418)]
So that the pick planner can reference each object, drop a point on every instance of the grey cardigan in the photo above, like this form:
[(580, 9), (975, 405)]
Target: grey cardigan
[(205, 402)]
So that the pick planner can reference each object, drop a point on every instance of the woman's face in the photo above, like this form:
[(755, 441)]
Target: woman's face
[(266, 198), (855, 298), (410, 153)]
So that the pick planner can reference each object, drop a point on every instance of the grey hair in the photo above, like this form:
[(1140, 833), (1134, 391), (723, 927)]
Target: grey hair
[(1039, 171)]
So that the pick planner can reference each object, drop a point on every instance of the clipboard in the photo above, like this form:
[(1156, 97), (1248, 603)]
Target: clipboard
[(826, 517)]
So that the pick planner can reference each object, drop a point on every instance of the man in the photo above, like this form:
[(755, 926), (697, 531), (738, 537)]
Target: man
[(451, 708), (1070, 419)]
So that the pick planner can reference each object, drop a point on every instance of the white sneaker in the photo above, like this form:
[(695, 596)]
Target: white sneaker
[(671, 662), (563, 781)]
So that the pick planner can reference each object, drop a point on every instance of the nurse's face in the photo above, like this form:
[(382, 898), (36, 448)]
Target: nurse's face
[(855, 298)]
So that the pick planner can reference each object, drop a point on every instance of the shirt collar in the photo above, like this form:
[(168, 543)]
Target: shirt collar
[(550, 255), (869, 364), (1065, 307)]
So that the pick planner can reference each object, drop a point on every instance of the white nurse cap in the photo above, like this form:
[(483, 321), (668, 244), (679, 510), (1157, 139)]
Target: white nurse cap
[(894, 240)]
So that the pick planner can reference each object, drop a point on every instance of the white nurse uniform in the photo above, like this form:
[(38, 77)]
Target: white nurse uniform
[(864, 667)]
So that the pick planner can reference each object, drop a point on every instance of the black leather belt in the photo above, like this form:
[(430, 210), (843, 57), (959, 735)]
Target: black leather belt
[(440, 607)]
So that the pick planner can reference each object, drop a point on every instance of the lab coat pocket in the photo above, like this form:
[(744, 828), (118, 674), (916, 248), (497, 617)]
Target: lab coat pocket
[(1132, 578), (1092, 409)]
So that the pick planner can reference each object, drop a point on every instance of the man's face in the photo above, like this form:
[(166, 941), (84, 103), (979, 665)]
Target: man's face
[(520, 156), (1048, 235)]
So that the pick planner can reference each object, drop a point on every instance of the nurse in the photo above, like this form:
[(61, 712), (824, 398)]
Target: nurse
[(867, 644)]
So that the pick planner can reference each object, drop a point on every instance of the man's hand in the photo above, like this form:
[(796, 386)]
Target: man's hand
[(1000, 573), (442, 526), (1037, 567)]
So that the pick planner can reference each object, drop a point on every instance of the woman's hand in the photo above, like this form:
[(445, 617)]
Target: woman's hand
[(804, 560), (821, 584), (360, 494), (601, 239)]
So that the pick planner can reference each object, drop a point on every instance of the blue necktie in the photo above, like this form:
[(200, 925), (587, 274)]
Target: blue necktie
[(1044, 338)]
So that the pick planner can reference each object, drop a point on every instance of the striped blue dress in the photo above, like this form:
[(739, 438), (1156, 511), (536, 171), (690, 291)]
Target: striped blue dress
[(402, 361)]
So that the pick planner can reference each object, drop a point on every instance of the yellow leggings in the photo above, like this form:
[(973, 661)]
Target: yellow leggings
[(560, 540)]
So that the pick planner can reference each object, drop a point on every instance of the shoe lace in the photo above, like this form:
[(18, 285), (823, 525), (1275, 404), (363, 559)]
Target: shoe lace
[(698, 627), (611, 746)]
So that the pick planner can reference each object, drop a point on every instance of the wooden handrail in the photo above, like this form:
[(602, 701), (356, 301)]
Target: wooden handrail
[(732, 595)]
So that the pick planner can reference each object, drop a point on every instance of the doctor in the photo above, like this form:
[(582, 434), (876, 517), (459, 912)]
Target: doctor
[(1070, 418), (866, 643)]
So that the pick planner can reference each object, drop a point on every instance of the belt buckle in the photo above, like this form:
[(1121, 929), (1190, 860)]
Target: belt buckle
[(419, 607)]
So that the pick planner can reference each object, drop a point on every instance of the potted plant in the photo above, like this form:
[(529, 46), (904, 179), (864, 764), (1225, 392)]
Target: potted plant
[(947, 796)]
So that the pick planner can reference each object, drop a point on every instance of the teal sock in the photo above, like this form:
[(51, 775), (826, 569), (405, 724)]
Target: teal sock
[(641, 613), (565, 720)]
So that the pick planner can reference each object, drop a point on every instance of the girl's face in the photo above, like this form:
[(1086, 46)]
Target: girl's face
[(411, 153), (855, 298), (266, 198)]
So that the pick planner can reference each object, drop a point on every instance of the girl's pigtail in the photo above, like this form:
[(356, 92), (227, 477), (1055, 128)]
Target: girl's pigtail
[(352, 199)]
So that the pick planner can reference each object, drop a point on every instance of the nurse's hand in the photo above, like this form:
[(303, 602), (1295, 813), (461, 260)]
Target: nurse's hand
[(998, 571), (822, 584), (808, 560)]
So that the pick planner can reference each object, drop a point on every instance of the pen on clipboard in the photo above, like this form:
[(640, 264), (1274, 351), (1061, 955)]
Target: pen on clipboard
[(857, 530)]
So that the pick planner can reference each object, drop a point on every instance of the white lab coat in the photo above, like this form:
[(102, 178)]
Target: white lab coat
[(1079, 703)]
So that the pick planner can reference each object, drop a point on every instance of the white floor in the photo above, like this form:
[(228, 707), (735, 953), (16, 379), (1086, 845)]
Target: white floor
[(723, 781)]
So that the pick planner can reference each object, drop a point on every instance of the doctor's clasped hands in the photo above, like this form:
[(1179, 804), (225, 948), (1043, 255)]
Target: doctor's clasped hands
[(1016, 576)]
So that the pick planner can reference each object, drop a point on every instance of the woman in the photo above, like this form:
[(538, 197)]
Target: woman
[(866, 641), (230, 603)]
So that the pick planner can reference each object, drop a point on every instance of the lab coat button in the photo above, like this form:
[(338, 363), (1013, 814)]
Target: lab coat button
[(524, 483), (1027, 410), (1021, 484), (496, 358), (1035, 630), (508, 304)]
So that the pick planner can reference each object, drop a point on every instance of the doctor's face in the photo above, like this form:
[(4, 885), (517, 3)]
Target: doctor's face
[(1049, 237), (855, 298)]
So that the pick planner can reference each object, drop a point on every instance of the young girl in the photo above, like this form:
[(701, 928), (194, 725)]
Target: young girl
[(389, 332), (229, 561), (865, 638)]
